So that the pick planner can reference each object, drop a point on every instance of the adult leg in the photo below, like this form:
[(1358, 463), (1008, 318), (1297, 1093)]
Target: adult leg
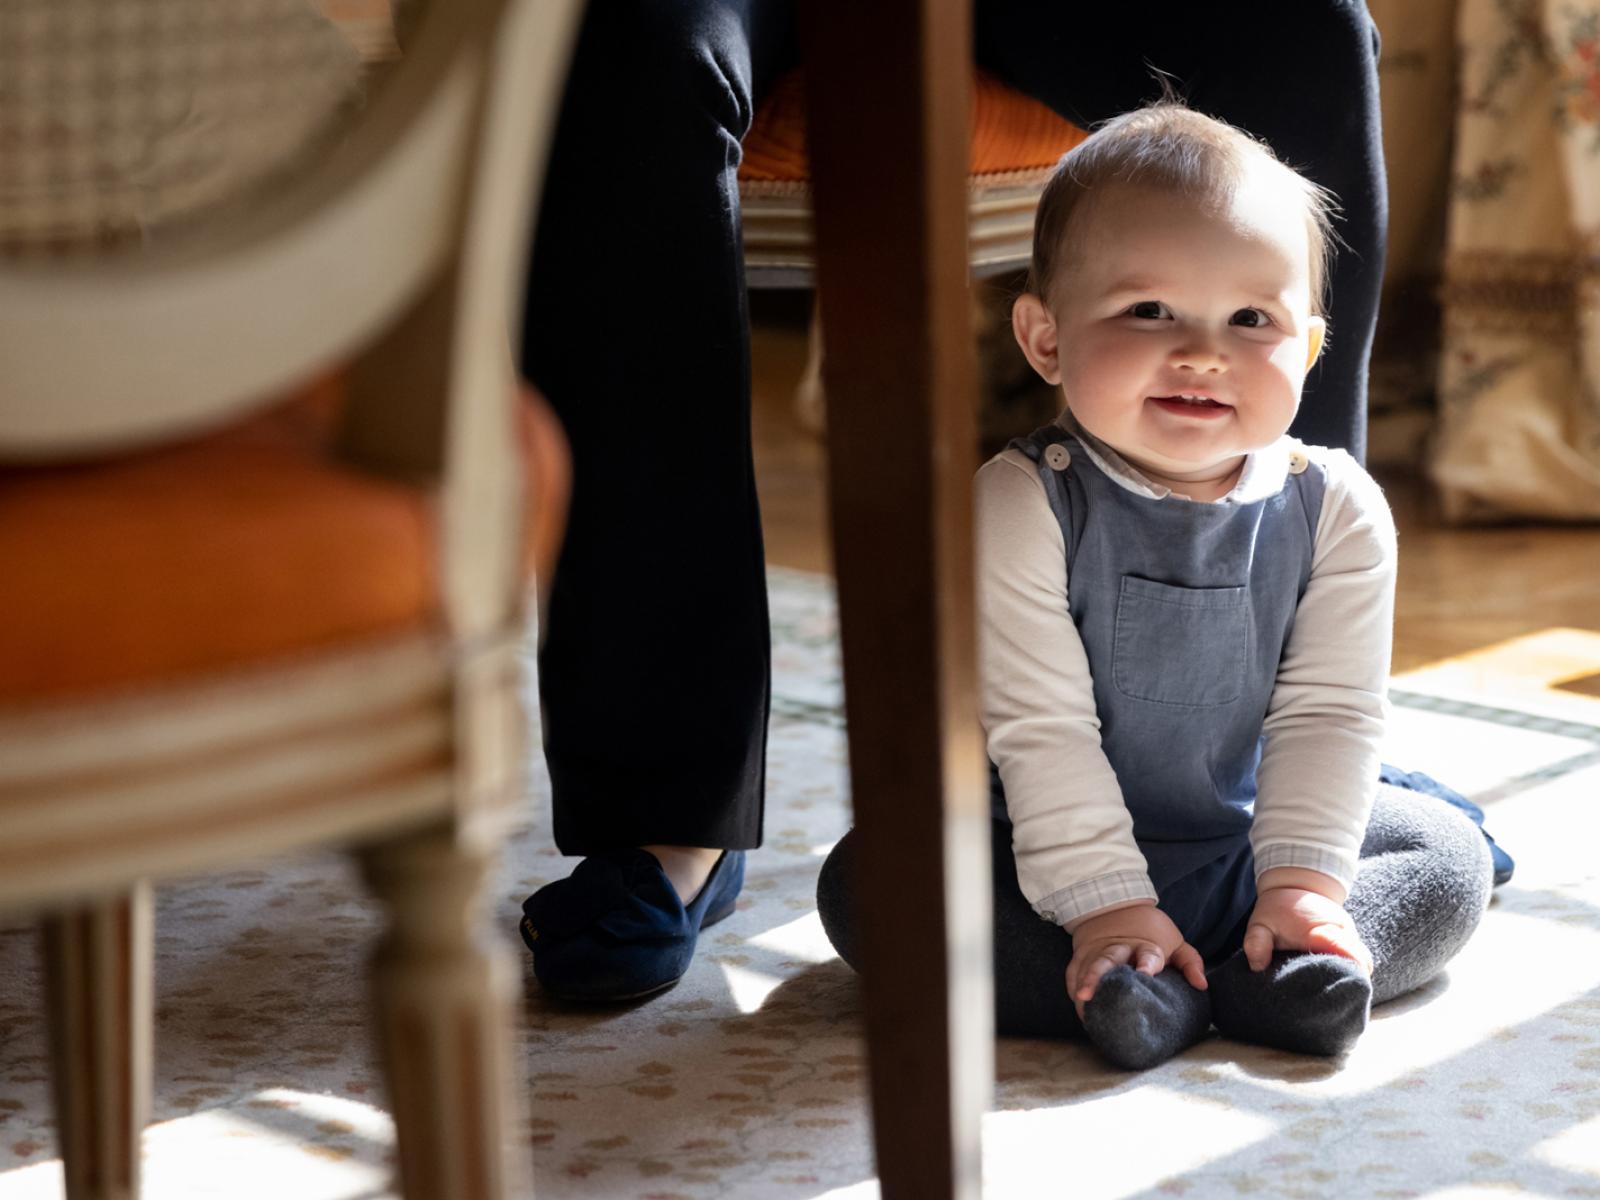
[(1422, 887), (1302, 76), (1134, 1020), (654, 668)]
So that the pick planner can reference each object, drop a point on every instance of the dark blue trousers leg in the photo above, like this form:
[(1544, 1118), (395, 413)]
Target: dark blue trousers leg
[(1301, 76), (654, 668)]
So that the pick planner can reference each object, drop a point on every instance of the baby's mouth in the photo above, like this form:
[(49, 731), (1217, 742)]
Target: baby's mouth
[(1186, 405), (1190, 401)]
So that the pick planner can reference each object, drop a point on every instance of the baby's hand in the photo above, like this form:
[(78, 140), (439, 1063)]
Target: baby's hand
[(1293, 918), (1142, 935)]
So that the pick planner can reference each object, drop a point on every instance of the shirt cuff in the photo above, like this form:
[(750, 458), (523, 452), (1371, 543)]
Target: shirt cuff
[(1081, 899), (1307, 855)]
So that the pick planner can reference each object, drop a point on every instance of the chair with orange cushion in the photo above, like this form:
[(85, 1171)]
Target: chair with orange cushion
[(1016, 142), (269, 501)]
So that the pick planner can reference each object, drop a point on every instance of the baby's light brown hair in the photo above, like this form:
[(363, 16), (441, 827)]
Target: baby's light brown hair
[(1168, 146)]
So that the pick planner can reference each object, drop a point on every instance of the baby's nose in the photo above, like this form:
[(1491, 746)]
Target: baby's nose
[(1199, 355)]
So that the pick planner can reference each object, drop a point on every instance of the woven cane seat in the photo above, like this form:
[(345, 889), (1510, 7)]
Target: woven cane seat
[(1016, 141)]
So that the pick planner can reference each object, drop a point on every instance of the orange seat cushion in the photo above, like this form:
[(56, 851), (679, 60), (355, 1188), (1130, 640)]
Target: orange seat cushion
[(1010, 132), (222, 551)]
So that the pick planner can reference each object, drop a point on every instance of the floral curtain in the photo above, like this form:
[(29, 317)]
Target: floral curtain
[(1516, 432)]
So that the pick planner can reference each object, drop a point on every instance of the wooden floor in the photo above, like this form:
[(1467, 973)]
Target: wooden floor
[(1461, 590)]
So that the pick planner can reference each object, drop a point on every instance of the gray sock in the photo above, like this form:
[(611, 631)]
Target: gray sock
[(1307, 1003), (1139, 1021)]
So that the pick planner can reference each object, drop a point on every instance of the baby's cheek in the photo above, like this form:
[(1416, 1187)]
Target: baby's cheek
[(1288, 361)]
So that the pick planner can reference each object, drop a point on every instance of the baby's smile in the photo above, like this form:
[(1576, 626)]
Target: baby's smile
[(1196, 405)]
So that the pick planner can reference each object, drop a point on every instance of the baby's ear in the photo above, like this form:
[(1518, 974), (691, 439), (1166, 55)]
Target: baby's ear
[(1035, 328), (1318, 330)]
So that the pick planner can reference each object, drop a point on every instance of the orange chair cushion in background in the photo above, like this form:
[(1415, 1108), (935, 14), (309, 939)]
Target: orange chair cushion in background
[(224, 551), (1010, 132)]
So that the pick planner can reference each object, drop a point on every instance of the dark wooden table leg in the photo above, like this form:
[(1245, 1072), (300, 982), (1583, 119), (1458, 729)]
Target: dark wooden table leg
[(888, 116)]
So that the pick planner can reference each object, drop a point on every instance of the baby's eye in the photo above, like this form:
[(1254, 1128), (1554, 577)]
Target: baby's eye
[(1251, 318), (1148, 310)]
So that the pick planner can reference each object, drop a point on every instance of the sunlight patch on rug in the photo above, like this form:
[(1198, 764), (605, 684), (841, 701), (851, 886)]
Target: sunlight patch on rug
[(800, 938), (279, 1143), (1027, 1152), (1432, 742), (749, 989), (1575, 1149)]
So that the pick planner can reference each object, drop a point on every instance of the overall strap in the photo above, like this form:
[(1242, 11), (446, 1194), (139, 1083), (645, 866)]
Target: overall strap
[(1055, 452), (1308, 481)]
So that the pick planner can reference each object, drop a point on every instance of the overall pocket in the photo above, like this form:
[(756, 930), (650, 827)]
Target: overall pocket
[(1180, 645)]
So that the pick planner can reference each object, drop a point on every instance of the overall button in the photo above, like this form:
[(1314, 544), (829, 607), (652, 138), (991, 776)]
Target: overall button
[(1058, 456), (1297, 462)]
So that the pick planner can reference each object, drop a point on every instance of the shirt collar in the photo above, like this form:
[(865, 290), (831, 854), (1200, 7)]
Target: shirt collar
[(1264, 473)]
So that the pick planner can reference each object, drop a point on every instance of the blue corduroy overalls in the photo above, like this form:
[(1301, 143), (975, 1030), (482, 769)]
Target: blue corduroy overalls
[(1184, 610)]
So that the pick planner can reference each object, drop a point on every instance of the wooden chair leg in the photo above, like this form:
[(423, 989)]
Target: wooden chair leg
[(444, 1012), (810, 400), (99, 963)]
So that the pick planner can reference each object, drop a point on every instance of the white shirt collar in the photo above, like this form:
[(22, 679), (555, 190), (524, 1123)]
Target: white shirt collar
[(1263, 475)]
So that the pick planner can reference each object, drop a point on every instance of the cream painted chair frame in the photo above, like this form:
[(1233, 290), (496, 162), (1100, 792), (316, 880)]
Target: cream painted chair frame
[(401, 254)]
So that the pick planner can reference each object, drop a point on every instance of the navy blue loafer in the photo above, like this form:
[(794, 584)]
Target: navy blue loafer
[(615, 929)]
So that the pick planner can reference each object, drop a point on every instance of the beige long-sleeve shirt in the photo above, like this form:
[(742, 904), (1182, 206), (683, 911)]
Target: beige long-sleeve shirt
[(1072, 834)]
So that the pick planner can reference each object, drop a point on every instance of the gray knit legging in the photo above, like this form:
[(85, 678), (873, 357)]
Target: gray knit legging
[(1422, 887)]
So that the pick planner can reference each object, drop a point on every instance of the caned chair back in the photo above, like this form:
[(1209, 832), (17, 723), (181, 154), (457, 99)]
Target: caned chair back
[(203, 202)]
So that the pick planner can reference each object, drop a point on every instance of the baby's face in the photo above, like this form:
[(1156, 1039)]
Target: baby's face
[(1184, 335)]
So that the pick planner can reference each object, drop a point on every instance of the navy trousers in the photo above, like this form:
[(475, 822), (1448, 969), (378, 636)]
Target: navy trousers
[(654, 670)]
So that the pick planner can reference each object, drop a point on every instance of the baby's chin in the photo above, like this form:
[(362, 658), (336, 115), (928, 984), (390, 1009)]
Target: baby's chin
[(1179, 473), (1188, 467)]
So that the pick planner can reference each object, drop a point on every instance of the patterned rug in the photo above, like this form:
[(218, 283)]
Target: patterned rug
[(747, 1080)]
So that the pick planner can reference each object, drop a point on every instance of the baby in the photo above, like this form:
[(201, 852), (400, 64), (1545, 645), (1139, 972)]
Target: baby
[(1185, 621)]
